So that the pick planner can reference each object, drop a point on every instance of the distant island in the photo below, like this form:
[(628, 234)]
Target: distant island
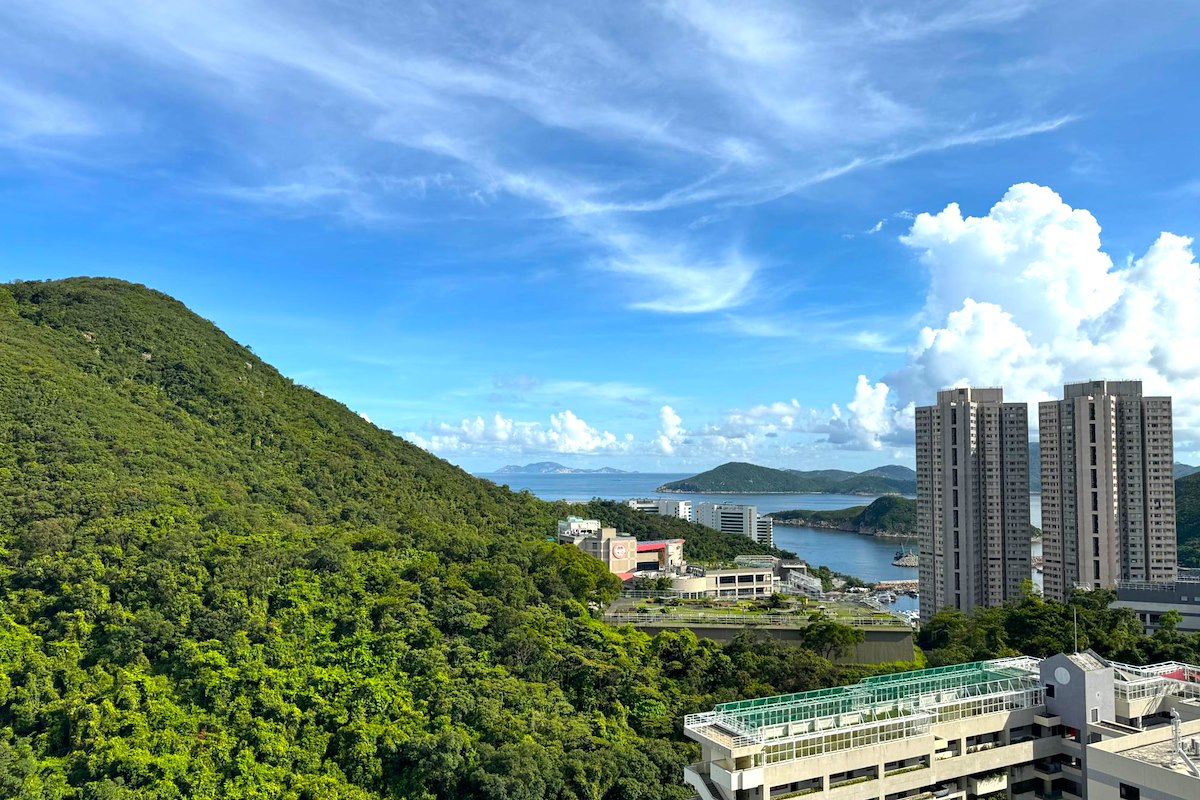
[(551, 468), (740, 478)]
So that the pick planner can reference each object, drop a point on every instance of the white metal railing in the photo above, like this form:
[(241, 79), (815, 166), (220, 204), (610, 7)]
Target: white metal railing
[(780, 620), (734, 733), (1158, 586), (1027, 663)]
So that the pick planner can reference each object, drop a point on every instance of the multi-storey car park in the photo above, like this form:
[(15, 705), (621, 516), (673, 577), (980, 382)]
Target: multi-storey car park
[(1069, 727)]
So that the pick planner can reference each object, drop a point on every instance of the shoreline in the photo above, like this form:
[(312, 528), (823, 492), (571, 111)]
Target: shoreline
[(875, 533), (661, 490)]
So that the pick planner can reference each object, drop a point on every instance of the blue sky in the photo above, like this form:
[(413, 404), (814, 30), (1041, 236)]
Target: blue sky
[(656, 236)]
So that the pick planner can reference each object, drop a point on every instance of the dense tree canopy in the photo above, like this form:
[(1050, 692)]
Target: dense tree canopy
[(1036, 627), (216, 583)]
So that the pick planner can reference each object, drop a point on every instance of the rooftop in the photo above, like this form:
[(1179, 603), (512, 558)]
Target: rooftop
[(924, 696)]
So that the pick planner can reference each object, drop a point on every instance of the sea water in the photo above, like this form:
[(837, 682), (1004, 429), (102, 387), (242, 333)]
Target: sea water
[(865, 557)]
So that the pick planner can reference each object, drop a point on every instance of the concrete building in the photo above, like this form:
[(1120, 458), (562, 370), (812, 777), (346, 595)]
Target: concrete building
[(573, 530), (764, 531), (681, 509), (972, 500), (618, 551), (1151, 600), (1108, 493), (739, 519), (1069, 727), (665, 555), (740, 583)]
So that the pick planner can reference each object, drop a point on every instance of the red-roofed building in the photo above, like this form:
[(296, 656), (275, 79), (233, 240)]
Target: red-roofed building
[(663, 555)]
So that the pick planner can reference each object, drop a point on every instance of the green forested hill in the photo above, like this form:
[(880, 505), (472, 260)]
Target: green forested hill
[(741, 478), (891, 514), (1187, 505), (216, 583)]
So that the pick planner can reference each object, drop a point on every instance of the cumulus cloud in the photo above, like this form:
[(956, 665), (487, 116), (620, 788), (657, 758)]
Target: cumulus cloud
[(1026, 298), (564, 433), (670, 431)]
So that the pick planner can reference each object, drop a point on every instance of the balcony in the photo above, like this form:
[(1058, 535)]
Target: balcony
[(987, 784)]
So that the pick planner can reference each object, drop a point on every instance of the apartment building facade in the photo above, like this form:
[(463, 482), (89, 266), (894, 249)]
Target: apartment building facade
[(972, 453), (739, 519), (1069, 727), (1108, 492)]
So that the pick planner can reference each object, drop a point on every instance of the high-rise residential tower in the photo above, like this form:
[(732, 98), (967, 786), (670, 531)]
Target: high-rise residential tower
[(1108, 493), (972, 499)]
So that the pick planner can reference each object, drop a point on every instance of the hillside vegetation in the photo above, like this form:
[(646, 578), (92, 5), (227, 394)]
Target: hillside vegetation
[(885, 515), (1187, 512), (741, 478), (217, 583)]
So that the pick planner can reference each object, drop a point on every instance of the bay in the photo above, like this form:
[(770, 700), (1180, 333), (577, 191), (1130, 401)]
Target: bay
[(643, 484), (865, 557)]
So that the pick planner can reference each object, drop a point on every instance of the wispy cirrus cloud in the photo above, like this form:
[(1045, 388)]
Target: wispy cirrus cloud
[(599, 119)]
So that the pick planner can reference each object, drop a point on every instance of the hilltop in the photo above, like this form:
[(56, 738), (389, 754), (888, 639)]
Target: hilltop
[(742, 478), (217, 583)]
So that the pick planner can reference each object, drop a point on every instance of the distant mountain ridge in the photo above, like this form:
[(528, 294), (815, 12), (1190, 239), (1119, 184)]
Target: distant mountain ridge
[(741, 478), (553, 468)]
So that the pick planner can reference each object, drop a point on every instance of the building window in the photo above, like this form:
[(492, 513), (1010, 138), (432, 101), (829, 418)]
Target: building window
[(1130, 792), (1095, 715), (1049, 690)]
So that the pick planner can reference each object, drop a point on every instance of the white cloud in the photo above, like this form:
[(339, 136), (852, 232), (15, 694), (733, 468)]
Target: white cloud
[(670, 430), (681, 285), (564, 433), (1026, 298), (29, 115), (383, 115)]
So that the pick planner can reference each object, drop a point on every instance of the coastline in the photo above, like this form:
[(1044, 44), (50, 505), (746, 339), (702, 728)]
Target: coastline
[(663, 490), (832, 526)]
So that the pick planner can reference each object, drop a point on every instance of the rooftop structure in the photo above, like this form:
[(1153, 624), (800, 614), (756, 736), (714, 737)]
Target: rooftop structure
[(1150, 600), (962, 731)]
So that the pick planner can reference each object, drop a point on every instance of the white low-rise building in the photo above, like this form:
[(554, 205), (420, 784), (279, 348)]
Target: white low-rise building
[(738, 583), (681, 509), (1069, 727)]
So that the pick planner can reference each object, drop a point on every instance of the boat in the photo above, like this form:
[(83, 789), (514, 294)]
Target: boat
[(906, 559)]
